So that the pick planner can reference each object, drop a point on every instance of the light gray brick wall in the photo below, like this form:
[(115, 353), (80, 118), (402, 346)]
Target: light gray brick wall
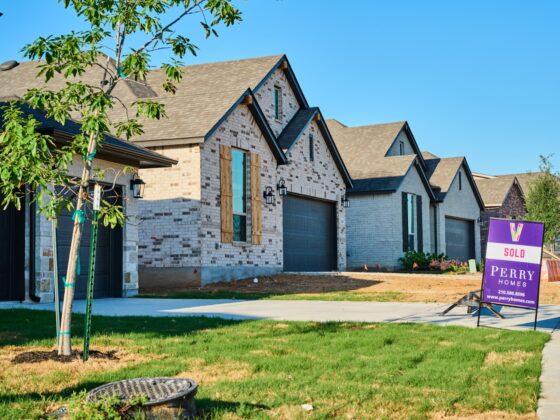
[(265, 97), (241, 131), (319, 178), (394, 150), (170, 211), (375, 225), (460, 204), (44, 262)]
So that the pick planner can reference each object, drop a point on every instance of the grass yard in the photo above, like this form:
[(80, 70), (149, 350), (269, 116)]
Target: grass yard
[(267, 369)]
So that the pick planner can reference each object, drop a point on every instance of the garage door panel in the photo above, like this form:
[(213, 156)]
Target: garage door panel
[(108, 263), (309, 234), (459, 239), (12, 254)]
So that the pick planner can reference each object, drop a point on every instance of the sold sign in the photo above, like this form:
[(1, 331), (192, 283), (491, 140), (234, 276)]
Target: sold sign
[(512, 268)]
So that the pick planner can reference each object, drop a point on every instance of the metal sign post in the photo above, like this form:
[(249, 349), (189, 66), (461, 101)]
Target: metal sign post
[(91, 272)]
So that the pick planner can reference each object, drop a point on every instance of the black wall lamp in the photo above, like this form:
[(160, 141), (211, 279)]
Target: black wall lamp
[(137, 187), (268, 195), (282, 189), (345, 202)]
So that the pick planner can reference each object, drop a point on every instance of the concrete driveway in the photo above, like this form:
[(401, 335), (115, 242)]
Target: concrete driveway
[(548, 319)]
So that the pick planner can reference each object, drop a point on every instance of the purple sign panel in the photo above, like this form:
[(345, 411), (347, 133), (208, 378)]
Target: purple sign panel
[(512, 270)]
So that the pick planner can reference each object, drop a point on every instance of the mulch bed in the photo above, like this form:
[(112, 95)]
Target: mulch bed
[(45, 356)]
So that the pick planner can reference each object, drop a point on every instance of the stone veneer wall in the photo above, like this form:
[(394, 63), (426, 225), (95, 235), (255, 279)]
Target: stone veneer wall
[(319, 178), (44, 262), (513, 207)]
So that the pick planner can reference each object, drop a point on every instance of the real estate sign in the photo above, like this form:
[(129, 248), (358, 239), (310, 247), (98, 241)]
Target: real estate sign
[(512, 269)]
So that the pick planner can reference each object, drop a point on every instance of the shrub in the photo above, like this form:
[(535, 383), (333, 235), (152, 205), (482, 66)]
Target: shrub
[(414, 260)]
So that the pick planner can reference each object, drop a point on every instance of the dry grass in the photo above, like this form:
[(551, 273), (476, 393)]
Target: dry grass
[(515, 358), (209, 373), (491, 415)]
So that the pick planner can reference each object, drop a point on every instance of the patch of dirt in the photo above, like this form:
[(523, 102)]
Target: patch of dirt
[(515, 358), (41, 370), (225, 370), (44, 356)]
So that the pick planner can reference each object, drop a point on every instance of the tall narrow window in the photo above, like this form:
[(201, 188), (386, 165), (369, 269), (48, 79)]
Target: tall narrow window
[(411, 210), (278, 102), (401, 148), (460, 180), (239, 193), (311, 149)]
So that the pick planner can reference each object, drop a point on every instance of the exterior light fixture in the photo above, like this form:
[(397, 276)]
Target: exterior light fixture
[(282, 189), (269, 195), (137, 187), (345, 202)]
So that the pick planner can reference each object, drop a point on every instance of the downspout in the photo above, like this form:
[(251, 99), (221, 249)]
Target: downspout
[(436, 228)]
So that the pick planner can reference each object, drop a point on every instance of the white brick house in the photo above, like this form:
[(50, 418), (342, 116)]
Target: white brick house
[(238, 130), (402, 201)]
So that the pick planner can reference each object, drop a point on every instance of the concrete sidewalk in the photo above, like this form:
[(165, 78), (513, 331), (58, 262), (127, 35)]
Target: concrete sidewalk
[(321, 311), (548, 319)]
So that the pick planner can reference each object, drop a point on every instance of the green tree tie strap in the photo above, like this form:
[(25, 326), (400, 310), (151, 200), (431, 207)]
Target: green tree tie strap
[(80, 215), (64, 333), (67, 284), (78, 266), (90, 156), (121, 73)]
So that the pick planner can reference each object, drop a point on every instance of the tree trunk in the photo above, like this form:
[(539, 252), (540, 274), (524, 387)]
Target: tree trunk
[(65, 339)]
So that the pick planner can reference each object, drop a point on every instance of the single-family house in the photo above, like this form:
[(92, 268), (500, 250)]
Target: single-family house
[(503, 198), (404, 199), (259, 187), (26, 240)]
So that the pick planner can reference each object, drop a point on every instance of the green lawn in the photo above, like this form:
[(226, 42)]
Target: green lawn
[(332, 296), (262, 369)]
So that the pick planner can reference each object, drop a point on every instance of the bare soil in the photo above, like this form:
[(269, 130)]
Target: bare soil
[(403, 287), (38, 356)]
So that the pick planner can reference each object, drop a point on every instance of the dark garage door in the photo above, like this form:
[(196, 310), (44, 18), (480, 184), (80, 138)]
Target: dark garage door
[(12, 254), (108, 265), (309, 235), (459, 239)]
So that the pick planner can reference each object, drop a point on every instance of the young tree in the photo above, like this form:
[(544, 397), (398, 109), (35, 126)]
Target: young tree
[(543, 200), (133, 29)]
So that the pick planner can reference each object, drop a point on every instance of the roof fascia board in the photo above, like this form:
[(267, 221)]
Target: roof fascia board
[(334, 150), (267, 132), (122, 154), (472, 182), (292, 80)]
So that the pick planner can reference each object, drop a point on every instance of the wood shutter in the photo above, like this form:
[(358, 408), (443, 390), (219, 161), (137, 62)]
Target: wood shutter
[(226, 203), (404, 222), (419, 227), (256, 200)]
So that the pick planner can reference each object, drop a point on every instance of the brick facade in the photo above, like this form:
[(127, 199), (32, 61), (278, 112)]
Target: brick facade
[(191, 192), (513, 207)]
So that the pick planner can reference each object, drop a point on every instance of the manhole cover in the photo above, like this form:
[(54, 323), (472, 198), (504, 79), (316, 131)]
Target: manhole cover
[(157, 390)]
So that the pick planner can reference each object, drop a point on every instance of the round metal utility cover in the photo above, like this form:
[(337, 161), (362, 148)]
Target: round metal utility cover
[(8, 65), (157, 390)]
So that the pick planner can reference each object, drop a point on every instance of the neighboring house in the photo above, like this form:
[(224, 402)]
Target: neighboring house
[(503, 198), (403, 200), (26, 243), (456, 213), (240, 130)]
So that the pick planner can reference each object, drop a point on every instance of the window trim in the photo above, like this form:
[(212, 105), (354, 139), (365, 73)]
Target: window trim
[(411, 221), (311, 148), (278, 103), (245, 193)]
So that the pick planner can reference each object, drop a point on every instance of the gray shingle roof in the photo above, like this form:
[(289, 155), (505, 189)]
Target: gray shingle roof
[(495, 190), (295, 127), (429, 155), (442, 171), (204, 95)]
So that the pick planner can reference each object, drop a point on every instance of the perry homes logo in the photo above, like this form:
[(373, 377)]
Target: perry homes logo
[(515, 230)]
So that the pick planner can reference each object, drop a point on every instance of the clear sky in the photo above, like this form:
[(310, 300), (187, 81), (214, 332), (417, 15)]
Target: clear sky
[(476, 78)]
